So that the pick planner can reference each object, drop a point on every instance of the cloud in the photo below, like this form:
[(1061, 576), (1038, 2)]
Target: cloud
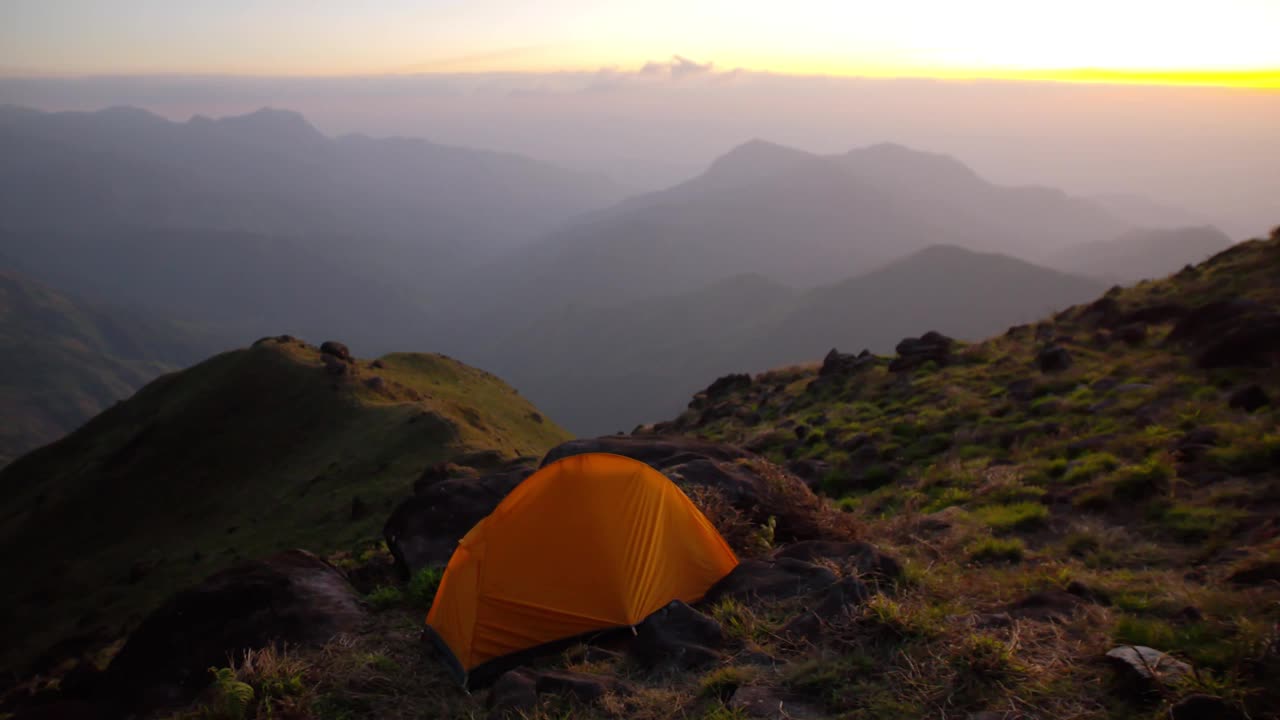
[(677, 68)]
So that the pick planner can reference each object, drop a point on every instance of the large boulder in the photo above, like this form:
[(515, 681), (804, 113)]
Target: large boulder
[(837, 363), (515, 693), (1230, 333), (677, 637), (424, 530), (771, 580), (292, 598), (1053, 358), (913, 352), (336, 349)]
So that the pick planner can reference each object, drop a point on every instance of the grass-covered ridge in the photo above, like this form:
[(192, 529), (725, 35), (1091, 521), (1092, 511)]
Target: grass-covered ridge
[(1131, 478), (249, 452)]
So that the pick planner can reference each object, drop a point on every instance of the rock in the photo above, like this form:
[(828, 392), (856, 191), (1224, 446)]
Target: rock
[(375, 383), (1231, 333), (1144, 669), (335, 349), (1195, 444), (1091, 594), (1053, 358), (861, 557), (377, 365), (1045, 606), (1022, 389), (1204, 707), (1134, 334), (334, 366), (1259, 574), (806, 626), (292, 598), (359, 508), (514, 693), (837, 363), (424, 530), (677, 637), (1103, 312), (583, 687), (770, 580), (914, 352), (838, 601), (1154, 314), (726, 384), (810, 471), (1249, 398)]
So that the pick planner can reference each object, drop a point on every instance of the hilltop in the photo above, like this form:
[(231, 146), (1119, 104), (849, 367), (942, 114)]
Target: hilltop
[(252, 451)]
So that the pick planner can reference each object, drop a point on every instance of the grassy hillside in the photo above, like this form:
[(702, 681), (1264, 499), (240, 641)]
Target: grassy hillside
[(1135, 477), (248, 452), (66, 360)]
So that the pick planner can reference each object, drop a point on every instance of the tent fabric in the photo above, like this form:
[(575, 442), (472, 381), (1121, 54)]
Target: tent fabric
[(588, 543)]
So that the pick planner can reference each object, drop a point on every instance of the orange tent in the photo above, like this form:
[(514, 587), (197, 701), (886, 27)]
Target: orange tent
[(590, 542)]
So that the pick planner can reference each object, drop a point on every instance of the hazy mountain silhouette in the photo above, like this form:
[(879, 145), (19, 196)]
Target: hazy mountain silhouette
[(799, 218), (66, 360), (602, 369), (1142, 254), (271, 172)]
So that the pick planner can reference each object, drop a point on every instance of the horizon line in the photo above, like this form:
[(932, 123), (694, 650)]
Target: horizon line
[(1242, 79)]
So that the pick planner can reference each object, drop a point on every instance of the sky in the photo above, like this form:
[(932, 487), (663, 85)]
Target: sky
[(1214, 42)]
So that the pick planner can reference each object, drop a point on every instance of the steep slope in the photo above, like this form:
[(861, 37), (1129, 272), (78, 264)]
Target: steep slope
[(251, 451), (67, 360), (604, 369), (1142, 254), (1105, 477)]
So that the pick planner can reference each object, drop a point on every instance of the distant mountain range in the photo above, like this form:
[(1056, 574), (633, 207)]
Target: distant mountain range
[(66, 360), (606, 312)]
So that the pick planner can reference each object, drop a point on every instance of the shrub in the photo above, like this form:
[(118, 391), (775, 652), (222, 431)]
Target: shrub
[(1013, 516), (945, 499), (1143, 480), (1089, 466), (230, 698), (423, 586), (384, 597), (1193, 523), (997, 550)]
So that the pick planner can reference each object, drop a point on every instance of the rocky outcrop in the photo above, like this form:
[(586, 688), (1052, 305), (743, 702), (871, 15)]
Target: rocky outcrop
[(771, 580), (1053, 358), (337, 350), (516, 692), (424, 530), (1249, 398), (677, 637), (914, 352), (837, 363), (292, 598)]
